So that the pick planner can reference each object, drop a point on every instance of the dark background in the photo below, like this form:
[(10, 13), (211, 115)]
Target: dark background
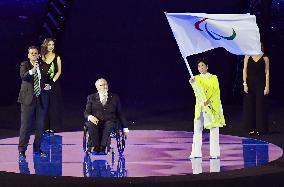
[(131, 45), (129, 42)]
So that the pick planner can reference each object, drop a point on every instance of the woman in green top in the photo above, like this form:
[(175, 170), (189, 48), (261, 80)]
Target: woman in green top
[(208, 110)]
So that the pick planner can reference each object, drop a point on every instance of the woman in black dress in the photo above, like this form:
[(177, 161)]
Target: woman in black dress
[(256, 88), (53, 63)]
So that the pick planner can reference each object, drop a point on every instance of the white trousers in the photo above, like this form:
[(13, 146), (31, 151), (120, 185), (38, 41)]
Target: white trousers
[(197, 140)]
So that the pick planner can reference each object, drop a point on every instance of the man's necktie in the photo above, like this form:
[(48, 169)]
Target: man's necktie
[(36, 84)]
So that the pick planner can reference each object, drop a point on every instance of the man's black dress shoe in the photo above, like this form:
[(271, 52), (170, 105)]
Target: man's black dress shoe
[(261, 133), (22, 154)]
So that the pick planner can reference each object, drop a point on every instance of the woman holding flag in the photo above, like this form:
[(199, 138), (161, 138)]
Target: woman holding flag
[(208, 110)]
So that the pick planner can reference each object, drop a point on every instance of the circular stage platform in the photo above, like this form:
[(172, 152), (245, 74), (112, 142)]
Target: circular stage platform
[(147, 153)]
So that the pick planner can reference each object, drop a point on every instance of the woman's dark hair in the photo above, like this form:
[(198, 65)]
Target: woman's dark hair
[(44, 44), (202, 60)]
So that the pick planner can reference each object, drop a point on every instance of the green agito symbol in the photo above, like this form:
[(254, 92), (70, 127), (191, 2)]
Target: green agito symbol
[(51, 70), (212, 34)]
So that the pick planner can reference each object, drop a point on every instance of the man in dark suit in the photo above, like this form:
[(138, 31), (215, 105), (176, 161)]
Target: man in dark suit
[(103, 112), (33, 97)]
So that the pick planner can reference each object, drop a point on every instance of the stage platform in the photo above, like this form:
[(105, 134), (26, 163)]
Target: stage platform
[(148, 154)]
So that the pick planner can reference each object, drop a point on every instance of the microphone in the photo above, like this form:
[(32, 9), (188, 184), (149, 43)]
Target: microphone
[(36, 64)]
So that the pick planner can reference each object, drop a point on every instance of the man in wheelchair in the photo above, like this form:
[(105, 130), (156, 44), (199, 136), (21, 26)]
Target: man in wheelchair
[(103, 112)]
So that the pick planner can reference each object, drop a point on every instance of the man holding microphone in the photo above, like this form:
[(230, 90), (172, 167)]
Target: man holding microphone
[(33, 98)]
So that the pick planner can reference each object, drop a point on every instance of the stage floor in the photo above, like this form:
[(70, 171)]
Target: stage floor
[(148, 153)]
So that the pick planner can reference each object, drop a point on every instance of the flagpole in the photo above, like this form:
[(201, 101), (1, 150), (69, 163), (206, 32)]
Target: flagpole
[(194, 83)]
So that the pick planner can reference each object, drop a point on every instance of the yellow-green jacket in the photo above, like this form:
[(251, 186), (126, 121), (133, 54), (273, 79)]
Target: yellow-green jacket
[(209, 88)]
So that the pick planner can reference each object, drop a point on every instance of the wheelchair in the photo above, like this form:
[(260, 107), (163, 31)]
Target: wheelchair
[(117, 134)]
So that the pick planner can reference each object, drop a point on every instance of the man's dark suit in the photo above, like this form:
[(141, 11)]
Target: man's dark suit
[(31, 107), (108, 115)]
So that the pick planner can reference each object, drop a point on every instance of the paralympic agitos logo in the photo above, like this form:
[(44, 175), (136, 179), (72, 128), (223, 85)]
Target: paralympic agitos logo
[(212, 34)]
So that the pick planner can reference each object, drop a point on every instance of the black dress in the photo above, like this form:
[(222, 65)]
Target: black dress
[(53, 119), (255, 116)]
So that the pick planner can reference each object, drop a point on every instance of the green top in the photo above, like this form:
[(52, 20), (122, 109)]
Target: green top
[(209, 88)]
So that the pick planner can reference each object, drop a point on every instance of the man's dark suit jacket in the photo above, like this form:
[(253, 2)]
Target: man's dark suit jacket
[(27, 88), (111, 111)]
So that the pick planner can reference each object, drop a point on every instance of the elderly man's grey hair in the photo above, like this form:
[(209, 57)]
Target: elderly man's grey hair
[(100, 79)]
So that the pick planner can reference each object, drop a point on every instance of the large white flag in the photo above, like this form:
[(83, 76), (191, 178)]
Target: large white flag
[(199, 32)]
